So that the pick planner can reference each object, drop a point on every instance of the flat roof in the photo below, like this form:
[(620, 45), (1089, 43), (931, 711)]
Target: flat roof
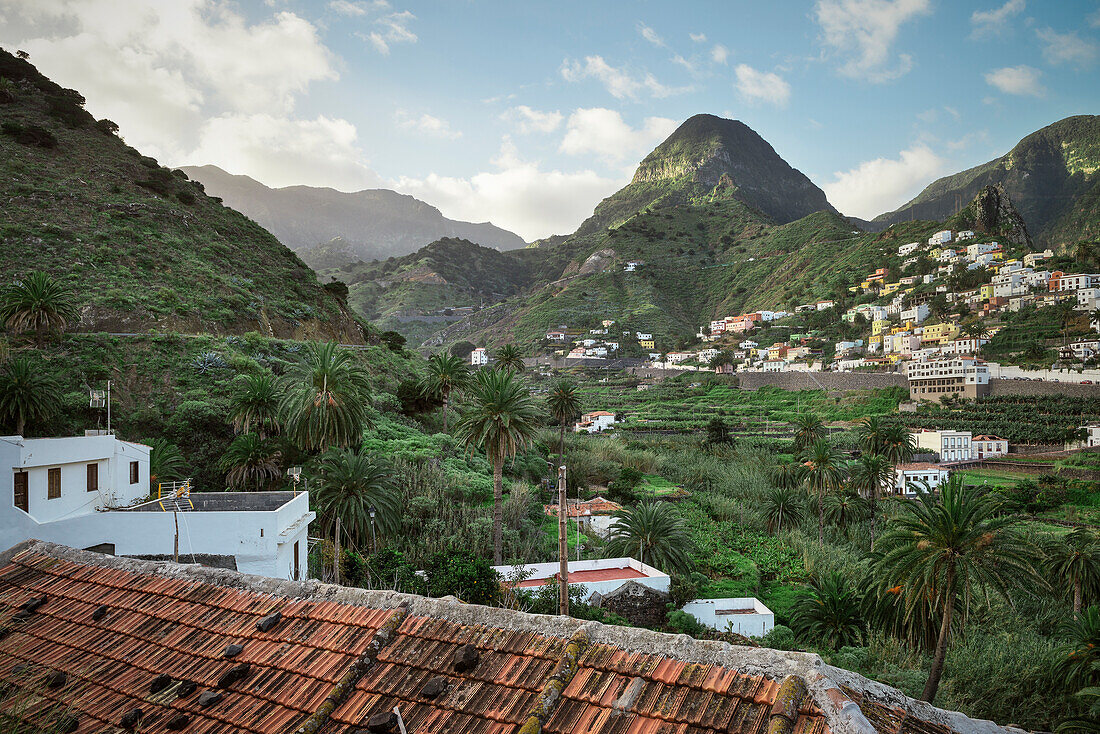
[(227, 502), (596, 574)]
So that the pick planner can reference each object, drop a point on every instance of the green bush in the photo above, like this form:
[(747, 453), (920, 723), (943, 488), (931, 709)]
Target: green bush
[(780, 638)]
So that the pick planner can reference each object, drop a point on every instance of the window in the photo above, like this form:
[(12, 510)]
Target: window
[(21, 495), (93, 477), (134, 476), (53, 483), (297, 567)]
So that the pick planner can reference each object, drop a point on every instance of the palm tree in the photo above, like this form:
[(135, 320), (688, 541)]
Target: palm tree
[(810, 431), (782, 505), (871, 433), (1075, 562), (510, 358), (871, 475), (1088, 723), (1082, 649), (948, 544), (254, 404), (831, 611), (326, 399), (26, 393), (787, 476), (843, 507), (501, 419), (38, 302), (898, 444), (821, 473), (353, 484), (447, 374), (654, 534), (564, 404), (250, 462), (166, 461)]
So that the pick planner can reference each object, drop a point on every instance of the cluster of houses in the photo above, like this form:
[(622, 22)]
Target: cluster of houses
[(945, 449), (598, 343)]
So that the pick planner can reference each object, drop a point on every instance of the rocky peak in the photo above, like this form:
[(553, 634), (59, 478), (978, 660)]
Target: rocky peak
[(992, 213)]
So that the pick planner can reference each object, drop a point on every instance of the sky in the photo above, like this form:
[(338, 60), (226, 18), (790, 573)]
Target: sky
[(527, 113)]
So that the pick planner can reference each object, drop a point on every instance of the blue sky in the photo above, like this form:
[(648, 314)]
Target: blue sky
[(527, 113)]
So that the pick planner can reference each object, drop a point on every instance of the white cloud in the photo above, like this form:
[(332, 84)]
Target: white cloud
[(883, 184), (1021, 80), (426, 124), (281, 152), (528, 120), (360, 8), (760, 86), (994, 22), (865, 31), (519, 195), (650, 35), (719, 54), (602, 132), (1094, 18), (1066, 48), (620, 83), (393, 28), (698, 37)]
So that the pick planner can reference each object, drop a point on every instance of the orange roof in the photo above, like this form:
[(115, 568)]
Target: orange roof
[(113, 635), (985, 437), (598, 506), (597, 413), (919, 466)]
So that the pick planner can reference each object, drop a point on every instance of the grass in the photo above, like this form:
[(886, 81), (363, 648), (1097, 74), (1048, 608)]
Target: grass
[(655, 486)]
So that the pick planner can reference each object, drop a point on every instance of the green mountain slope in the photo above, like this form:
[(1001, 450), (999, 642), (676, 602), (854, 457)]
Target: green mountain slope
[(144, 247), (1052, 176)]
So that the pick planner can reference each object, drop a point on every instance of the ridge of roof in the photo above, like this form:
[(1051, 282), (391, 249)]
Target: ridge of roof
[(841, 695)]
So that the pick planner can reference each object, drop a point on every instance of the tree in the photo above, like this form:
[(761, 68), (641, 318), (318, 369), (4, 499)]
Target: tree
[(1074, 561), (782, 506), (809, 431), (394, 340), (898, 444), (830, 610), (654, 534), (871, 434), (325, 400), (462, 349), (564, 404), (949, 544), (939, 306), (353, 482), (822, 473), (501, 418), (718, 431), (39, 303), (510, 358), (843, 507), (447, 375), (254, 404), (871, 475), (250, 462), (166, 461), (27, 394), (786, 476)]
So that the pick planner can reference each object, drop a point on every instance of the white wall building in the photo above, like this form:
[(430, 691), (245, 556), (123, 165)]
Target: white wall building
[(916, 314), (479, 357), (742, 615), (940, 238), (947, 445), (909, 479), (602, 575), (986, 446), (908, 249), (85, 492), (595, 422)]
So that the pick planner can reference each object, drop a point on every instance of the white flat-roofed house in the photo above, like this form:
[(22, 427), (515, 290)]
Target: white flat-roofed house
[(706, 355), (942, 237), (981, 248), (479, 357), (595, 422), (1060, 281), (909, 479), (947, 445), (678, 357), (916, 314), (599, 576), (741, 615), (92, 492), (986, 446), (1034, 258), (643, 336), (908, 249), (555, 336), (1088, 299), (966, 234), (822, 305)]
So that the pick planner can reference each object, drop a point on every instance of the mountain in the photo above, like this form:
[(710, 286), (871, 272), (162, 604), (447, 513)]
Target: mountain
[(371, 224), (144, 247), (1052, 176), (712, 156)]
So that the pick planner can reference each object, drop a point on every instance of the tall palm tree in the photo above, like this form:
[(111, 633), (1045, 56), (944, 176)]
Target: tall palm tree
[(898, 444), (943, 546), (40, 303), (501, 418), (782, 506), (166, 461), (1082, 658), (830, 610), (1074, 561), (810, 431), (250, 462), (254, 404), (654, 534), (354, 482), (821, 473), (26, 393), (871, 433), (845, 506), (564, 404), (326, 399), (787, 475), (872, 475), (510, 358), (447, 375)]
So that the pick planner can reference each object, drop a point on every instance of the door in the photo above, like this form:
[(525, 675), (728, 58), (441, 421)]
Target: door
[(297, 569), (22, 500)]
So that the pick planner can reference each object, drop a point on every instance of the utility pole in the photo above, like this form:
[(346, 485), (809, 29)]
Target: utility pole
[(336, 556), (108, 407), (563, 547)]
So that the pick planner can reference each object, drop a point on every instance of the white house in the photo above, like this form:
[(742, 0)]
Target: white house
[(742, 615), (643, 336), (981, 248), (966, 234), (919, 477), (706, 355), (92, 492), (479, 357), (633, 265), (678, 357), (822, 305), (948, 445), (555, 336), (986, 446), (908, 249), (602, 575), (916, 314), (942, 237), (595, 422)]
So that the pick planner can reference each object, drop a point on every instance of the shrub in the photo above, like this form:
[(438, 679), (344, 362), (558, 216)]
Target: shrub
[(107, 127), (464, 574), (185, 197), (683, 623), (780, 638), (68, 107), (29, 135)]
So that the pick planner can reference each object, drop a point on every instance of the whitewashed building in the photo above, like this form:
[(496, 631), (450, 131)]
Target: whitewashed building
[(942, 237), (947, 445), (479, 357), (602, 575), (986, 446), (741, 615), (93, 492), (909, 479), (595, 422)]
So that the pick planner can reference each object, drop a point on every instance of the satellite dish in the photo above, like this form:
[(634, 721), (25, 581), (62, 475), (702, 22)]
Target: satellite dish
[(97, 399)]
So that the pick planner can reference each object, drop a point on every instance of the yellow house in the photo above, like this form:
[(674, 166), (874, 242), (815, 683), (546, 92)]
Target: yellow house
[(997, 255), (940, 333), (875, 339), (894, 357), (645, 343), (986, 292), (888, 288), (936, 252), (865, 284), (877, 327)]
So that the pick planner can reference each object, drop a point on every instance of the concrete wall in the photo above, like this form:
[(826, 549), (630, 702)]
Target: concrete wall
[(1069, 376), (751, 625), (831, 381), (1031, 387)]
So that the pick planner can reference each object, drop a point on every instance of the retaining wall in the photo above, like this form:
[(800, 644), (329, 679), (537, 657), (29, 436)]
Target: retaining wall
[(830, 381)]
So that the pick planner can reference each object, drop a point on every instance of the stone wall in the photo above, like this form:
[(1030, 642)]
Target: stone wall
[(831, 381), (641, 605), (1035, 387)]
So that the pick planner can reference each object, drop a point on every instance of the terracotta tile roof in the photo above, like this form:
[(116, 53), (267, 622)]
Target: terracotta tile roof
[(338, 657), (598, 506)]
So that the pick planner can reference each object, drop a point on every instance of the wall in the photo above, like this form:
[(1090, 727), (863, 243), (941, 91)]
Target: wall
[(831, 381), (1067, 376), (750, 625), (1031, 387), (654, 579)]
